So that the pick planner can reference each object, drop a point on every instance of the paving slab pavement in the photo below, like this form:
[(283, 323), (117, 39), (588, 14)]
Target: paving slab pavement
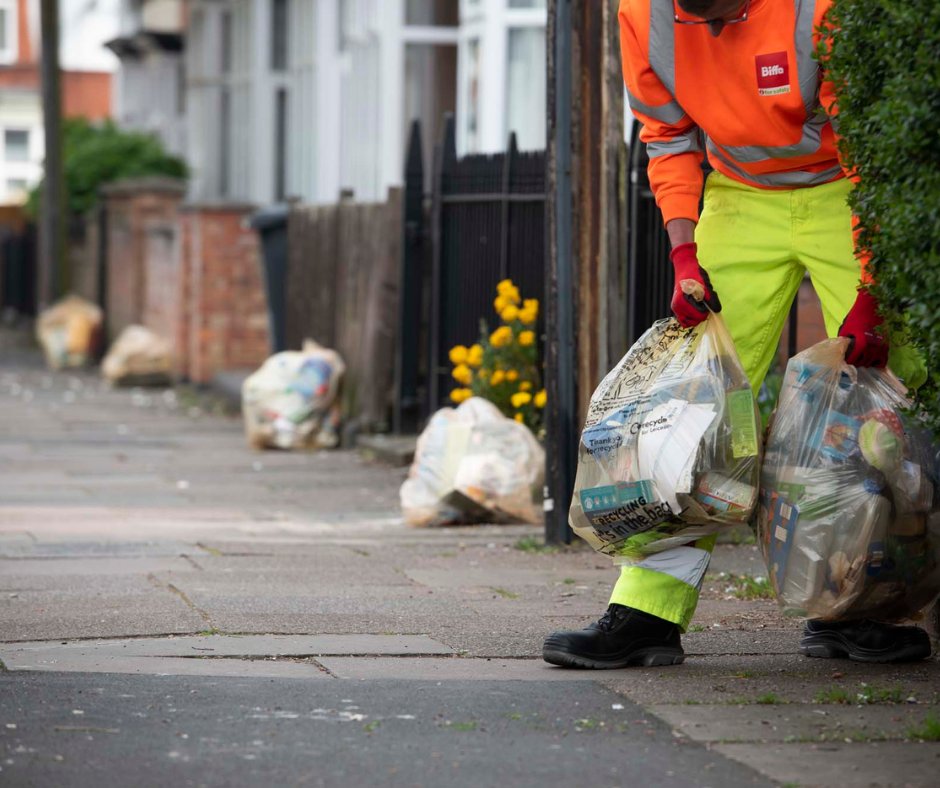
[(136, 527), (794, 722), (273, 656), (846, 764)]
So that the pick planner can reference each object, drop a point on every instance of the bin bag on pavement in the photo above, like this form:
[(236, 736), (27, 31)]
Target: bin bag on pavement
[(289, 402), (849, 519), (69, 332), (137, 357), (670, 450), (472, 464)]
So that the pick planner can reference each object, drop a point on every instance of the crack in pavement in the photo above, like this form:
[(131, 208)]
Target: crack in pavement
[(189, 559), (157, 583)]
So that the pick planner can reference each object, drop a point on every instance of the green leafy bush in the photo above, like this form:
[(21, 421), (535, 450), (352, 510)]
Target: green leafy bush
[(884, 59), (94, 155)]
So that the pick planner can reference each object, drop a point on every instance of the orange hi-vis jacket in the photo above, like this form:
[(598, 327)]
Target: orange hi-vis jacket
[(751, 97)]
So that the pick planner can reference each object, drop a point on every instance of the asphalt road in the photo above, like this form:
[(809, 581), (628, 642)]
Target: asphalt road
[(92, 730)]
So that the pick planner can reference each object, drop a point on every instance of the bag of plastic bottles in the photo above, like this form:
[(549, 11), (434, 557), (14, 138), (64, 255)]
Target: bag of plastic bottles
[(849, 521), (670, 449), (290, 402)]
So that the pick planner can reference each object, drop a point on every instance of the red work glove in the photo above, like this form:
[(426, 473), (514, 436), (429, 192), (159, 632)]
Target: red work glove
[(693, 295), (867, 346)]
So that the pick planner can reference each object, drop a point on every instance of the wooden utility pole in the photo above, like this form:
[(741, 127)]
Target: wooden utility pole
[(52, 274), (599, 192), (586, 316)]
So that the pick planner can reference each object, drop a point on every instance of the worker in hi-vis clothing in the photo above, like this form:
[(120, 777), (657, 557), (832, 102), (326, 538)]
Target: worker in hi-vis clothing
[(739, 81)]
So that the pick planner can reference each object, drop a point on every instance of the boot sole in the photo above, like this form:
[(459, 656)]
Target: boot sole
[(647, 658), (835, 647)]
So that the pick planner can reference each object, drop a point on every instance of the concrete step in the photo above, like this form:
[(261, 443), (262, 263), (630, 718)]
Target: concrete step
[(395, 450)]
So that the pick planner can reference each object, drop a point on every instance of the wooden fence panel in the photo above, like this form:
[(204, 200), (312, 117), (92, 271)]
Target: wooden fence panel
[(342, 291), (380, 325)]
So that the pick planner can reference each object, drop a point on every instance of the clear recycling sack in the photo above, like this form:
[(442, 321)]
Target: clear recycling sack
[(291, 401), (849, 521), (474, 465), (670, 449)]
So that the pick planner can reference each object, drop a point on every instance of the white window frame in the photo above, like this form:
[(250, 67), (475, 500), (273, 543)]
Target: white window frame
[(29, 144), (468, 33), (424, 35), (490, 22), (471, 10), (28, 170), (519, 19), (10, 52)]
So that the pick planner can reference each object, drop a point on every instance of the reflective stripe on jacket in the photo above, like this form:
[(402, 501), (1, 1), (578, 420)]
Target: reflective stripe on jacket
[(749, 98)]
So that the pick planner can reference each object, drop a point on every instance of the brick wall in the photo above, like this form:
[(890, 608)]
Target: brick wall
[(82, 253), (86, 94), (139, 210), (125, 267), (163, 307), (225, 299), (191, 274)]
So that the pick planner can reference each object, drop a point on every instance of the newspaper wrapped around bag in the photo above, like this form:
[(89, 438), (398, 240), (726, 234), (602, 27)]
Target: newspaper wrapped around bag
[(69, 332), (289, 402), (138, 357), (849, 521), (670, 449), (472, 464)]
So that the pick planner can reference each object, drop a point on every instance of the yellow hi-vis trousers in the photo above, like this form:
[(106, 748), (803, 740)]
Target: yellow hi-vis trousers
[(756, 245)]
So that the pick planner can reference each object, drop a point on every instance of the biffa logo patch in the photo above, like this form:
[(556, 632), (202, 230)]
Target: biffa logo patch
[(773, 74)]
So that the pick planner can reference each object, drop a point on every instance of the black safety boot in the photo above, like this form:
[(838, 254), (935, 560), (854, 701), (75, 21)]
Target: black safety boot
[(622, 637), (864, 641)]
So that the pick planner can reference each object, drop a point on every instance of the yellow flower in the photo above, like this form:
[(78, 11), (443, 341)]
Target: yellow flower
[(520, 418), (463, 374), (513, 295), (509, 314), (483, 374), (500, 303), (460, 395), (501, 337), (525, 386), (530, 311), (512, 376), (540, 399), (458, 355), (527, 338), (498, 377), (475, 356), (520, 399), (505, 287)]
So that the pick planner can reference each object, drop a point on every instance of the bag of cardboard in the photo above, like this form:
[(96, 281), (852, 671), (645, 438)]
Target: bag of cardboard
[(472, 464), (849, 522), (289, 402), (138, 357), (670, 449), (69, 332)]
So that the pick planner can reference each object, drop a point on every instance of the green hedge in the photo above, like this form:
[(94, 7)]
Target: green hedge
[(94, 155), (885, 62)]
